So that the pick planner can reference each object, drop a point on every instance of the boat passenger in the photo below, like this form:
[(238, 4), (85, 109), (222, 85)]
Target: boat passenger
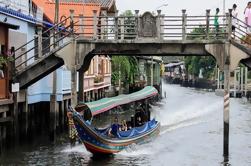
[(138, 122), (113, 131), (123, 126)]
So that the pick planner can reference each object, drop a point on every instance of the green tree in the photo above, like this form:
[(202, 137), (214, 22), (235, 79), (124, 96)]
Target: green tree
[(195, 63), (124, 68)]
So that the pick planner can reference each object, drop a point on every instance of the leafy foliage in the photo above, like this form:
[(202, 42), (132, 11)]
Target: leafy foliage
[(4, 60), (195, 63), (124, 68)]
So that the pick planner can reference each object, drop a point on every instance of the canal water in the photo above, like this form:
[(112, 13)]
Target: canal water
[(191, 135)]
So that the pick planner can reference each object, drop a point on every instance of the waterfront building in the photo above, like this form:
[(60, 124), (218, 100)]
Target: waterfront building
[(18, 25), (96, 79)]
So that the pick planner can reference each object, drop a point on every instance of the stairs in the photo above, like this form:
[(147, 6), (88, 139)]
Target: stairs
[(32, 69)]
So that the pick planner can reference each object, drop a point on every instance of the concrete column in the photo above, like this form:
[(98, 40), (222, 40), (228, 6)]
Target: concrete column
[(104, 24), (93, 95), (40, 41), (25, 122), (81, 86), (152, 71), (159, 24), (15, 116), (218, 78), (235, 79), (119, 79), (239, 80), (116, 28), (184, 24), (241, 74), (95, 22), (66, 107), (81, 22), (246, 81), (207, 23), (53, 107), (63, 114), (137, 28), (122, 28), (74, 96)]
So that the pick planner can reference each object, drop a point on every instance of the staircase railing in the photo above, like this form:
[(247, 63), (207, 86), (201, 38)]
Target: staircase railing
[(240, 34), (41, 45)]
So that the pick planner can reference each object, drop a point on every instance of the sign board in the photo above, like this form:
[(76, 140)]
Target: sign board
[(15, 87)]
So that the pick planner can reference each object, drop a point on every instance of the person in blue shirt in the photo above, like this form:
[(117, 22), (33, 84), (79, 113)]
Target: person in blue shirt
[(113, 131)]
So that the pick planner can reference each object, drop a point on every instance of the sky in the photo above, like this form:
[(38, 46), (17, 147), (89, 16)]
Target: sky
[(193, 7)]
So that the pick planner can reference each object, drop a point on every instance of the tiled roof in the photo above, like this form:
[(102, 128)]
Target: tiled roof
[(103, 3), (48, 7)]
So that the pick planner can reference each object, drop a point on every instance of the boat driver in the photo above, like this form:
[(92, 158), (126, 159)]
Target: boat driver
[(113, 131)]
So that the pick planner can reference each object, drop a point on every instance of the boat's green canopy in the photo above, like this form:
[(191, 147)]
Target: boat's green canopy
[(105, 104)]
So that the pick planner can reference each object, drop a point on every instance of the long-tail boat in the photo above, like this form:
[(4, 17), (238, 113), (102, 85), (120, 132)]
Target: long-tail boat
[(98, 141)]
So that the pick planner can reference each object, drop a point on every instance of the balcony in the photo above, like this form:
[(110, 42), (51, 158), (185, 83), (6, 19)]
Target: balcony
[(99, 80)]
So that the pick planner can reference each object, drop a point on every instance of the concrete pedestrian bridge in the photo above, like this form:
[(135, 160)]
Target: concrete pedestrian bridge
[(75, 40)]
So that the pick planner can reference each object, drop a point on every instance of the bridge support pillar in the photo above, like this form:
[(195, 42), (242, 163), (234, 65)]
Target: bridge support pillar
[(81, 86), (15, 117), (53, 107), (74, 96), (25, 119)]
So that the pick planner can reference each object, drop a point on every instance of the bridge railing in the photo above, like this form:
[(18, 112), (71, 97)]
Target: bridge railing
[(106, 27), (183, 27)]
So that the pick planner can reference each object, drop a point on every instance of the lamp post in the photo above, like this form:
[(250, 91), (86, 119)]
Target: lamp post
[(224, 4), (165, 4)]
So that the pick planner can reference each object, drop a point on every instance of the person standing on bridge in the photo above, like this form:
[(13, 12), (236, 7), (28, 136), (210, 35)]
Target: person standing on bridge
[(234, 19), (216, 22)]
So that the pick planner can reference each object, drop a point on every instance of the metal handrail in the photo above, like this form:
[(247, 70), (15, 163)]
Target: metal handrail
[(42, 33)]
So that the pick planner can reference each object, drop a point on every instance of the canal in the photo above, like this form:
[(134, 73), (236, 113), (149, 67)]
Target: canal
[(191, 134)]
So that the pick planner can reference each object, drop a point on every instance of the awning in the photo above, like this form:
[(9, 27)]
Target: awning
[(105, 104), (11, 26)]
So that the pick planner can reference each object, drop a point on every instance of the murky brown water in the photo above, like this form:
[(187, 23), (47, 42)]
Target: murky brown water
[(191, 134)]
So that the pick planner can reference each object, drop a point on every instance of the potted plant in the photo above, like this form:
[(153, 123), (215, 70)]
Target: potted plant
[(4, 60)]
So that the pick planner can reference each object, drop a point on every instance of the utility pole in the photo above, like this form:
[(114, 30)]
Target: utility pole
[(53, 98)]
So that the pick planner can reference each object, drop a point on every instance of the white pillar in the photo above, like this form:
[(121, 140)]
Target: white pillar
[(239, 83), (218, 78), (246, 81), (242, 80), (235, 77)]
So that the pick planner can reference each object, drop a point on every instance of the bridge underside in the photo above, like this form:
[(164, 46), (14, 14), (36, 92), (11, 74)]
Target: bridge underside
[(38, 71), (150, 48)]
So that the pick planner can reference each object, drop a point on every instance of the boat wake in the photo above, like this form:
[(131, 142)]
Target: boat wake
[(78, 148), (185, 114)]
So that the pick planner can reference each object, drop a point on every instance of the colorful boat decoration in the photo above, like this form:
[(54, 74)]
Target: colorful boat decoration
[(98, 141)]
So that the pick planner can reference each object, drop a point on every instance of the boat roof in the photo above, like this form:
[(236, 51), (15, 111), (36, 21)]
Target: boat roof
[(105, 104)]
